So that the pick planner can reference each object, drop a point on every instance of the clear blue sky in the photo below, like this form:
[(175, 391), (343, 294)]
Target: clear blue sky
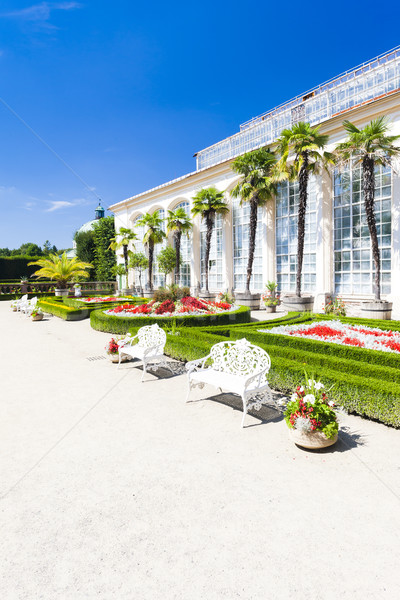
[(126, 92)]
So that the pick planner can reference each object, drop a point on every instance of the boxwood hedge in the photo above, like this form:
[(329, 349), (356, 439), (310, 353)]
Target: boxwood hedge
[(56, 307), (365, 382), (121, 325)]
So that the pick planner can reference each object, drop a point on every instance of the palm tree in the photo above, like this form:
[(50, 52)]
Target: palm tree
[(369, 147), (209, 202), (154, 235), (180, 224), (302, 154), (255, 187), (122, 239), (61, 268)]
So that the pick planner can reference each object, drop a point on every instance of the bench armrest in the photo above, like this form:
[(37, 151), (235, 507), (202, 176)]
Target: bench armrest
[(258, 377), (127, 341), (195, 365)]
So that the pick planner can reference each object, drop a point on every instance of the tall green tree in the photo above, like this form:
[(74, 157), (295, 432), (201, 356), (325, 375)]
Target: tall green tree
[(85, 246), (209, 202), (29, 249), (179, 223), (256, 187), (121, 241), (302, 153), (105, 259), (369, 147), (167, 261), (154, 235), (139, 262)]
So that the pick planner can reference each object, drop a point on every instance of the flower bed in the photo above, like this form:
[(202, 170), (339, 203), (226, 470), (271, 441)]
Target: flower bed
[(168, 308), (98, 299), (345, 334)]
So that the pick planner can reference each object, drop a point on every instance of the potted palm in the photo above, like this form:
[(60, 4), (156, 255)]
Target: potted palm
[(61, 269), (121, 241), (154, 235), (302, 153), (208, 203), (255, 187), (270, 298), (370, 147)]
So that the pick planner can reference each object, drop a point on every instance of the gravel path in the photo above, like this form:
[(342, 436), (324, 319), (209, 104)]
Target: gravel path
[(116, 489)]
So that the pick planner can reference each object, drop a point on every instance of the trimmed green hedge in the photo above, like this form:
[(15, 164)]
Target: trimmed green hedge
[(15, 267), (19, 295), (76, 303), (56, 307), (365, 382), (121, 325)]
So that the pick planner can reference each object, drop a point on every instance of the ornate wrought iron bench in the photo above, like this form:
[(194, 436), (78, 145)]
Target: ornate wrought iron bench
[(237, 367), (147, 345)]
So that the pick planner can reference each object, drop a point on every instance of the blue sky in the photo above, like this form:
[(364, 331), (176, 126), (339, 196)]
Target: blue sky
[(126, 92)]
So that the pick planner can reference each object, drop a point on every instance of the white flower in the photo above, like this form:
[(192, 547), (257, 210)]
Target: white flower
[(318, 385), (331, 403), (302, 424), (293, 397), (309, 398), (301, 389)]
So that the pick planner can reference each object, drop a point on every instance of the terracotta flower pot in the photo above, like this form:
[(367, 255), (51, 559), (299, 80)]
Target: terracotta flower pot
[(312, 440), (38, 317)]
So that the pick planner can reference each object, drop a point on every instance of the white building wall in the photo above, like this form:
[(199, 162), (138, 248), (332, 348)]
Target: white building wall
[(221, 176)]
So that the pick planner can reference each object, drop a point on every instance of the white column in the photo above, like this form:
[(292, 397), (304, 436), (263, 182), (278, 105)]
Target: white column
[(324, 239), (227, 250), (268, 242), (195, 277)]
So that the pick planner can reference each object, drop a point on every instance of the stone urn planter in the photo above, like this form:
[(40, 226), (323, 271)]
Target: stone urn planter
[(250, 300), (114, 358), (59, 292), (270, 309), (296, 304), (378, 309), (37, 317), (311, 440)]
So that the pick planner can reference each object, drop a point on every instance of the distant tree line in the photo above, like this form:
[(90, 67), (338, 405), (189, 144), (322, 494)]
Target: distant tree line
[(31, 249)]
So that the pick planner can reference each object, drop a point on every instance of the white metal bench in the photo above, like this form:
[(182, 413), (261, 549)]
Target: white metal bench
[(237, 367), (147, 345), (21, 302)]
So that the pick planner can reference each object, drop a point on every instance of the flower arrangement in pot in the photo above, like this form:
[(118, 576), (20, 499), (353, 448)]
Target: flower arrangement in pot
[(270, 297), (36, 314), (112, 350), (311, 417)]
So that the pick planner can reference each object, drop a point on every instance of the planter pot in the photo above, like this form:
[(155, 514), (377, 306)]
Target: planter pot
[(115, 358), (206, 295), (270, 309), (295, 304), (148, 293), (376, 310), (250, 300), (312, 440), (126, 291), (37, 317), (58, 292)]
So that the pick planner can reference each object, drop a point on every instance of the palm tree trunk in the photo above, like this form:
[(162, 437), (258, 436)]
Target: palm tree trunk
[(210, 224), (125, 251), (303, 184), (368, 177), (151, 254), (177, 237), (252, 239)]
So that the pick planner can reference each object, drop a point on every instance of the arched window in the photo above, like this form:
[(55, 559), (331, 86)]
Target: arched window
[(354, 265), (186, 249), (158, 276), (241, 221), (215, 276), (287, 204)]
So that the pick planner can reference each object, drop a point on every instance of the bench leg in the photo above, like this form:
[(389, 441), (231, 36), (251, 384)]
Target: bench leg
[(189, 390), (244, 411), (144, 370)]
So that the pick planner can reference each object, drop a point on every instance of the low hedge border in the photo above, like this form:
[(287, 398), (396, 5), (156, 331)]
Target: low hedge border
[(59, 309), (19, 295), (363, 389), (121, 325)]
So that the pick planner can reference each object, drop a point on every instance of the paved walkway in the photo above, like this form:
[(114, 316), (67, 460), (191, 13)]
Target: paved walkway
[(114, 489)]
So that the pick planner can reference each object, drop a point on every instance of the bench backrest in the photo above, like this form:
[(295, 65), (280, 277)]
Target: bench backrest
[(151, 335), (239, 358)]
